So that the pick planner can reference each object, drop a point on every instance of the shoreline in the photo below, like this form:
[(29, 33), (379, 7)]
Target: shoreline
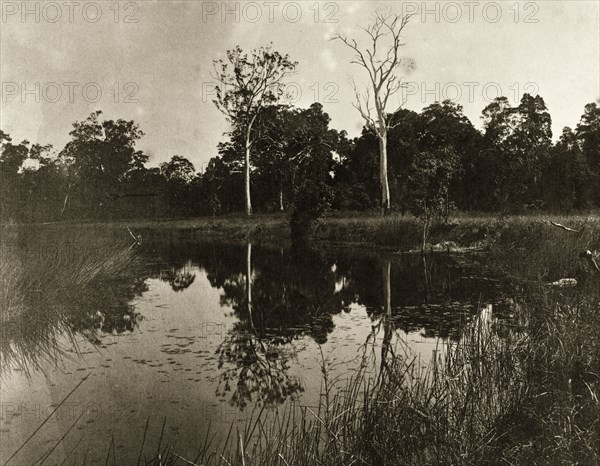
[(462, 233)]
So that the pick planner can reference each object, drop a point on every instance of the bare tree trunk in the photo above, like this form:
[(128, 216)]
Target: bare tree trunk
[(387, 287), (281, 199), (425, 230), (387, 318), (426, 276), (66, 201), (247, 174), (383, 175), (249, 284), (447, 213)]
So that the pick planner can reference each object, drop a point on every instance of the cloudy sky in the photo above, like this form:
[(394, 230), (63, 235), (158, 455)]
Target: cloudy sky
[(151, 61)]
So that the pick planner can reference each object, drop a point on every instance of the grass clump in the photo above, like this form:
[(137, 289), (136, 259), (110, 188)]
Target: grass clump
[(55, 286)]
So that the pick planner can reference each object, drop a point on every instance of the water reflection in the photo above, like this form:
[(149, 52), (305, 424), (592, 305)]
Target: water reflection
[(280, 295), (236, 323), (277, 294), (255, 365)]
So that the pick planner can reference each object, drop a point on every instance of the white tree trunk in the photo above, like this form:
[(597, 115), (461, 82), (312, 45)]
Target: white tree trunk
[(247, 174), (66, 201), (383, 175), (249, 283), (387, 287), (387, 317), (281, 199)]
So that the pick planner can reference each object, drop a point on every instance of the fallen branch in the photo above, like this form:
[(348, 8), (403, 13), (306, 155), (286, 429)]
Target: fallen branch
[(560, 225), (137, 239), (563, 282), (132, 235)]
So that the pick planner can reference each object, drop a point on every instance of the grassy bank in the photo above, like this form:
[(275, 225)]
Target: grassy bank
[(394, 232)]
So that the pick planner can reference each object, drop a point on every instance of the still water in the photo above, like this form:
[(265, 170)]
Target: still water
[(206, 332)]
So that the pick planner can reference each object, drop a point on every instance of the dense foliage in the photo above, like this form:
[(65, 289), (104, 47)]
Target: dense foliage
[(437, 161)]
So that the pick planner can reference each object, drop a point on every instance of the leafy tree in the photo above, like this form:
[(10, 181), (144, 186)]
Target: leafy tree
[(517, 141), (588, 136), (272, 158), (102, 155), (178, 168), (29, 180), (430, 177), (289, 145), (220, 187), (531, 141), (445, 125), (357, 184), (248, 84), (12, 157), (498, 125), (43, 183), (381, 59), (498, 120), (567, 177), (180, 174), (310, 150), (404, 147)]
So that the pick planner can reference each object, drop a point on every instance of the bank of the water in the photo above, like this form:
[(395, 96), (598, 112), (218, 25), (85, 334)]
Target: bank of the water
[(396, 232)]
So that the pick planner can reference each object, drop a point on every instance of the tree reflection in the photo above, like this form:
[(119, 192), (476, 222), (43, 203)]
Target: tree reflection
[(255, 365), (296, 291), (255, 370), (385, 322), (179, 279), (277, 294)]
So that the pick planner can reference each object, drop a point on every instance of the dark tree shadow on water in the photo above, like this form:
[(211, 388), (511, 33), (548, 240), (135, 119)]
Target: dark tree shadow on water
[(255, 365)]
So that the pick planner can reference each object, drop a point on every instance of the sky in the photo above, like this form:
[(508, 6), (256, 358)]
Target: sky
[(151, 61)]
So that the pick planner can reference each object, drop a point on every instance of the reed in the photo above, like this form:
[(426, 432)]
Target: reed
[(45, 284), (519, 392)]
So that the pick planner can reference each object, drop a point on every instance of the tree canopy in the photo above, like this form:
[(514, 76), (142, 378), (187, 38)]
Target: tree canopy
[(303, 166)]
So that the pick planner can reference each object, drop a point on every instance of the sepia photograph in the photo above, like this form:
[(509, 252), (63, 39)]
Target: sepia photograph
[(296, 233)]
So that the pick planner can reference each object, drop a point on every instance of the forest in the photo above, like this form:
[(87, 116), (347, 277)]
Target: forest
[(437, 158)]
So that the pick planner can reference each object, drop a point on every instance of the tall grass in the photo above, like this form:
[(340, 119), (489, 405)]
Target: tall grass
[(514, 236), (500, 395), (395, 231), (564, 373), (534, 249), (520, 392), (45, 283), (404, 232)]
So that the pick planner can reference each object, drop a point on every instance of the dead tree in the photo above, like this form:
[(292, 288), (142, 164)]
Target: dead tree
[(381, 59)]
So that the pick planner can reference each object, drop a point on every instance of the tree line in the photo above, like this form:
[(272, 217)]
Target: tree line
[(280, 158), (438, 161)]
